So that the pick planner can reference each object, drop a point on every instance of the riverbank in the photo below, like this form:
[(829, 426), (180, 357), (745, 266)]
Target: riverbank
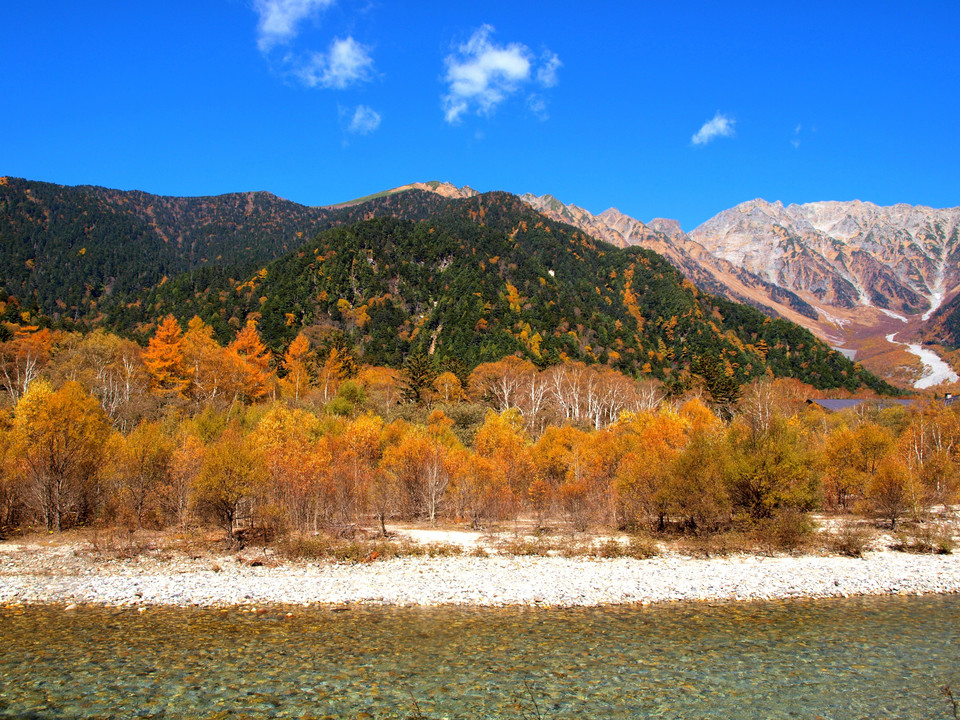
[(68, 574)]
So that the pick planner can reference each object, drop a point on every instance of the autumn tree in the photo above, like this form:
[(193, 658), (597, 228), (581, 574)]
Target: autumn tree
[(333, 367), (501, 383), (503, 440), (14, 502), (770, 470), (288, 441), (419, 464), (889, 489), (186, 463), (22, 358), (930, 447), (164, 359), (109, 368), (208, 364), (381, 385), (144, 467), (466, 494), (229, 481), (695, 488), (649, 443), (61, 438), (296, 378), (447, 388), (252, 373)]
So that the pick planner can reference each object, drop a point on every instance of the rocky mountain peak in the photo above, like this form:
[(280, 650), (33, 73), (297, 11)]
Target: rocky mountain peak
[(445, 189), (845, 270), (670, 228), (592, 225)]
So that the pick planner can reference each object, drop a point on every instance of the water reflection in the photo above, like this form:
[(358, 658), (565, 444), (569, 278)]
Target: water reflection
[(865, 658)]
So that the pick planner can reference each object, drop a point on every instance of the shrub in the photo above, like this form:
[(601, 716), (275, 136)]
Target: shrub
[(324, 547), (538, 546), (339, 406), (850, 540), (923, 539), (719, 544), (638, 547), (788, 530)]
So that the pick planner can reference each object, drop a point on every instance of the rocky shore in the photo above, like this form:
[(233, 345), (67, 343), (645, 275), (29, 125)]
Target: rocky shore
[(62, 574)]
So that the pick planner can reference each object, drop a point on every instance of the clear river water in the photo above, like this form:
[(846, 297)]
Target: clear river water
[(847, 658)]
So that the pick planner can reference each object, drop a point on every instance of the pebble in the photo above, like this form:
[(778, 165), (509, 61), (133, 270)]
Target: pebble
[(33, 577)]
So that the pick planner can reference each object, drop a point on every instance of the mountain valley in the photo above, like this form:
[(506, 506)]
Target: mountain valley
[(854, 274)]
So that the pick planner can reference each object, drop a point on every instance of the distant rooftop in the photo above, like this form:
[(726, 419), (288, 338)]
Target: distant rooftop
[(838, 405)]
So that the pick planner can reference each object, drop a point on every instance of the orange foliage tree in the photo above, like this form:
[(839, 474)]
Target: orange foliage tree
[(288, 441), (230, 481), (164, 359), (296, 379), (61, 440), (419, 463), (144, 465), (208, 364), (22, 358), (252, 374)]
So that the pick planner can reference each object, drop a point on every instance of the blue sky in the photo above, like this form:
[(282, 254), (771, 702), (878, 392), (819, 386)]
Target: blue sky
[(676, 110)]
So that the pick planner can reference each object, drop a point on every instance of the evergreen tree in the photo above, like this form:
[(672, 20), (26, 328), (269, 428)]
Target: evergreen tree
[(417, 375), (723, 388)]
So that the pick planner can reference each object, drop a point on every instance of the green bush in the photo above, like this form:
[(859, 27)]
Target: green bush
[(340, 406)]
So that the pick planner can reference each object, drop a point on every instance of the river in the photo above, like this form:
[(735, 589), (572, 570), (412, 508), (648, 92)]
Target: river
[(884, 657), (935, 369)]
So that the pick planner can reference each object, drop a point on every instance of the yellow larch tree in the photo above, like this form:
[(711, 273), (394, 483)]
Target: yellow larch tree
[(164, 359), (207, 363), (297, 379), (252, 363)]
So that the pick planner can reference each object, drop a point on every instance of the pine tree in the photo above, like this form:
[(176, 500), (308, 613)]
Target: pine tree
[(724, 390), (417, 375)]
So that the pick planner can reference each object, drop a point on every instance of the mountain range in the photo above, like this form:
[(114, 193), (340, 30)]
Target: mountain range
[(851, 273)]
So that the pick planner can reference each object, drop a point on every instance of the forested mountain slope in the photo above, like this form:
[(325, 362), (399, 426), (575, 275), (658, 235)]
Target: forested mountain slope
[(859, 276), (485, 277), (71, 252)]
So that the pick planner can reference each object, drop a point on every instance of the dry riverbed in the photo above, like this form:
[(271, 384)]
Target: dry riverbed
[(74, 571)]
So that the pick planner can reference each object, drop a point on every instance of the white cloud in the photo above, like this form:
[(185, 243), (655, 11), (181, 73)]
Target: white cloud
[(719, 126), (538, 106), (482, 74), (346, 63), (547, 74), (279, 19), (364, 121), (795, 140)]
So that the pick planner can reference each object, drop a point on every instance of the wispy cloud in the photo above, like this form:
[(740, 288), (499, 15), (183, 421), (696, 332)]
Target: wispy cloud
[(538, 106), (482, 74), (795, 140), (346, 63), (720, 126), (364, 121), (280, 19), (547, 73)]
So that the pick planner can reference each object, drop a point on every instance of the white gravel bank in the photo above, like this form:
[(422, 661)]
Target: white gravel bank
[(57, 576)]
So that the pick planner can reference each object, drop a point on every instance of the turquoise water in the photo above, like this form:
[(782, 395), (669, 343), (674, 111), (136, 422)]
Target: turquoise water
[(863, 658)]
